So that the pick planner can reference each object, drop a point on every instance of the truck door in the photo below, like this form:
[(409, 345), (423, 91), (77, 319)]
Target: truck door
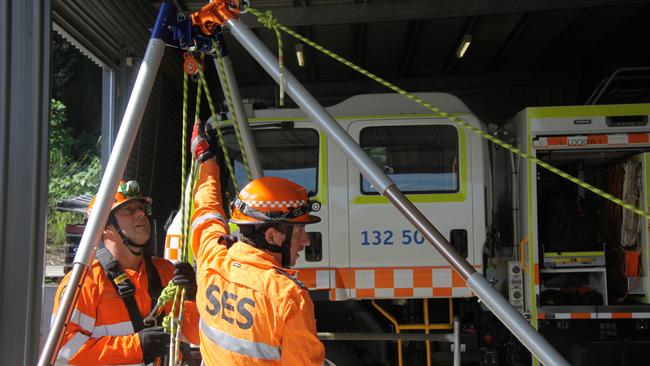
[(427, 159), (295, 151)]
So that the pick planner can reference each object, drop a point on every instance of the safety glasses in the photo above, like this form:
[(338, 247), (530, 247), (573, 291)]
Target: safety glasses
[(131, 208)]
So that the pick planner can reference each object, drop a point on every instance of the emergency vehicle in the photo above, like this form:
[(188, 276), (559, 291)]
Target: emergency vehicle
[(535, 236)]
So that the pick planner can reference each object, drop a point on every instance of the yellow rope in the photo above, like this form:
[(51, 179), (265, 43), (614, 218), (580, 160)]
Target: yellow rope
[(170, 324), (264, 19), (269, 21), (226, 89), (179, 327), (184, 230), (226, 154)]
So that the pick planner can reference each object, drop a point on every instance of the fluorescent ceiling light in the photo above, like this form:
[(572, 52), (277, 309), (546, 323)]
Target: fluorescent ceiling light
[(300, 54), (463, 46)]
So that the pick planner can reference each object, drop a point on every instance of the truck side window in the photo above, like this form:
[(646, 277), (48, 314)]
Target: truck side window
[(290, 153), (419, 159)]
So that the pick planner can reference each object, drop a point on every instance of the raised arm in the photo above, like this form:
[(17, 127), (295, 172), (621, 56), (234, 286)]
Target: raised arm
[(209, 219)]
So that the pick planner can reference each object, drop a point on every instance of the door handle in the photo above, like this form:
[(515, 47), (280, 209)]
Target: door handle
[(458, 239), (314, 252)]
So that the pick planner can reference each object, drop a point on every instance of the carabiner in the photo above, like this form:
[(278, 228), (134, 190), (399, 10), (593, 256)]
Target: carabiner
[(150, 320)]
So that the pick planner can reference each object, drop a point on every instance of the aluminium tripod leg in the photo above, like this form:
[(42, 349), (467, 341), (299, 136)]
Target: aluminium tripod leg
[(114, 171), (250, 149), (538, 346)]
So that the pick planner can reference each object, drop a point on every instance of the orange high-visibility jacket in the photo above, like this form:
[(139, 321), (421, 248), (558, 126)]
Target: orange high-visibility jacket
[(253, 312), (100, 330)]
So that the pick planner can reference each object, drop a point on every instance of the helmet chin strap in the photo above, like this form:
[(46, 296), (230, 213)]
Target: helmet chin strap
[(126, 241), (284, 250)]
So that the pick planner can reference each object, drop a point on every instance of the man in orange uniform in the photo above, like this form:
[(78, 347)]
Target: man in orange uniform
[(120, 289), (253, 310)]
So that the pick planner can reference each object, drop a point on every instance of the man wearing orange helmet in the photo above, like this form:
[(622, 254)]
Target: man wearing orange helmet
[(120, 289), (253, 309)]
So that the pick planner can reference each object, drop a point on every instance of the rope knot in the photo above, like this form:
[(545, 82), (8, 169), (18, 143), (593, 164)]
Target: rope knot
[(168, 293), (268, 20)]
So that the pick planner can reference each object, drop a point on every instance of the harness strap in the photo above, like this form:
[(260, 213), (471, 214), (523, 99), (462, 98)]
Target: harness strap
[(125, 288), (122, 285), (227, 240), (153, 277)]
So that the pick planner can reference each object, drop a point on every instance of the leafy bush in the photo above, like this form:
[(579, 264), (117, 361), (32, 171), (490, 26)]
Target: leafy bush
[(74, 170)]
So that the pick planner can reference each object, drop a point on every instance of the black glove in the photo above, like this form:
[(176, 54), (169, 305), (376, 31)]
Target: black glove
[(205, 141), (154, 342), (212, 137), (185, 277)]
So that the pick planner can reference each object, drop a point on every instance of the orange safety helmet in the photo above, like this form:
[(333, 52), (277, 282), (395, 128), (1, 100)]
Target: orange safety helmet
[(126, 192), (273, 200)]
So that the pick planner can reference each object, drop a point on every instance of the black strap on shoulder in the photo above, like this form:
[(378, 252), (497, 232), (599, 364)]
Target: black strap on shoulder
[(153, 277), (292, 278), (122, 285), (227, 240)]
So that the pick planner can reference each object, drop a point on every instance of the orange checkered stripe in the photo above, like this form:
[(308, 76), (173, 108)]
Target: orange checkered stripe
[(173, 248), (388, 283), (594, 140), (619, 315)]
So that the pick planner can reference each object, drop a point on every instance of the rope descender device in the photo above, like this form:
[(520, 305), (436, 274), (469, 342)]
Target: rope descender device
[(191, 66), (211, 16)]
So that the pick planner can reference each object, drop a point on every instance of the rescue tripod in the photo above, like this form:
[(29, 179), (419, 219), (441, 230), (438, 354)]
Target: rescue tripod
[(176, 30)]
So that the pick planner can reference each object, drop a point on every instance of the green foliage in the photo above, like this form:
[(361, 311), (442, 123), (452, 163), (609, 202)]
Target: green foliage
[(74, 170), (67, 62), (56, 223), (76, 82)]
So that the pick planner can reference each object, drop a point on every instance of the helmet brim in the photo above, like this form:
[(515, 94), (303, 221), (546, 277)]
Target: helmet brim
[(145, 199), (302, 220)]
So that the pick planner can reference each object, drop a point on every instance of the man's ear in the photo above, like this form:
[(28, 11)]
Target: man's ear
[(109, 230), (269, 234)]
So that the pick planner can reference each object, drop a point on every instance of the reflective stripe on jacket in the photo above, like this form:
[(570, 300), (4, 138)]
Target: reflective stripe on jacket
[(252, 311), (100, 331)]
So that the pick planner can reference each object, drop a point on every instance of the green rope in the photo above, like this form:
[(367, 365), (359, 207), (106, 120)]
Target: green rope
[(269, 21), (226, 88), (184, 225), (167, 294), (197, 115), (179, 328), (226, 154), (264, 19), (171, 323), (199, 94)]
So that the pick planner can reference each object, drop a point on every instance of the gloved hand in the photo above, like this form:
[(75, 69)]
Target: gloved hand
[(205, 141), (200, 148), (154, 342), (185, 277)]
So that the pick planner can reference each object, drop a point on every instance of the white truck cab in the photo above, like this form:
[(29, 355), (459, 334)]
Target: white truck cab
[(363, 248)]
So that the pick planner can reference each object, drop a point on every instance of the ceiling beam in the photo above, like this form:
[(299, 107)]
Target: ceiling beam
[(512, 37), (413, 36), (414, 10), (568, 32), (449, 82), (358, 52)]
